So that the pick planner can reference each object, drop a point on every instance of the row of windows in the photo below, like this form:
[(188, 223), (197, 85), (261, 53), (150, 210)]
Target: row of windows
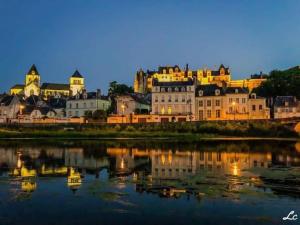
[(170, 99), (209, 114), (286, 110), (83, 105), (237, 100), (172, 110), (77, 82), (232, 109), (209, 103), (176, 89)]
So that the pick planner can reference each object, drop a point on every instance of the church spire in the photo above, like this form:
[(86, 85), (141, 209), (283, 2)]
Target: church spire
[(33, 70)]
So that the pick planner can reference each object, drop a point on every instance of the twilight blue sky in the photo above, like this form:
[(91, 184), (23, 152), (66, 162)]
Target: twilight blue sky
[(110, 40)]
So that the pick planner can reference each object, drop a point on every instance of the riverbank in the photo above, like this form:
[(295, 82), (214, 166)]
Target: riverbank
[(232, 130)]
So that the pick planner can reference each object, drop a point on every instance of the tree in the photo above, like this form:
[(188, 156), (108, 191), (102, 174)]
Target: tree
[(114, 90), (100, 115), (118, 89), (281, 83)]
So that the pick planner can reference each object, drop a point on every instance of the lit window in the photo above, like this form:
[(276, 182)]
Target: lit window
[(208, 113), (200, 103), (208, 102), (218, 113)]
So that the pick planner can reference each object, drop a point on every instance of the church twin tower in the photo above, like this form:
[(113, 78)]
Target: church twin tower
[(33, 85)]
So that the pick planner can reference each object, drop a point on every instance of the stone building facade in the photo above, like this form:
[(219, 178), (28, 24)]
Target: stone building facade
[(33, 85), (174, 99)]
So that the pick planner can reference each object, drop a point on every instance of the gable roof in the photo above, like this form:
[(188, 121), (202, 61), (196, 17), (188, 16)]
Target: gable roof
[(33, 69), (54, 86), (6, 100), (77, 74), (18, 86)]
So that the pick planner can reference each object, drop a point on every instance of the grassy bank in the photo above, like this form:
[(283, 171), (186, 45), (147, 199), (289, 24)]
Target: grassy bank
[(187, 130)]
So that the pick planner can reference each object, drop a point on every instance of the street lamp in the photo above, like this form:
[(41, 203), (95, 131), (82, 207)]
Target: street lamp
[(123, 111), (21, 112)]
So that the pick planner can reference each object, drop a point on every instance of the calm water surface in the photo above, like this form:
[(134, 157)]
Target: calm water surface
[(148, 182)]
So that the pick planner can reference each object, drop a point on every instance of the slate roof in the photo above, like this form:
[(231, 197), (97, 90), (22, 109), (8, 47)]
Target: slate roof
[(140, 98), (281, 101), (161, 68), (6, 100), (54, 86), (217, 72), (240, 90), (90, 95), (32, 100), (57, 103), (209, 90), (34, 69), (18, 86), (77, 74)]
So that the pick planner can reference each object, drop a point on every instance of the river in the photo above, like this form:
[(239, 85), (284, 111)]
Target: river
[(148, 182)]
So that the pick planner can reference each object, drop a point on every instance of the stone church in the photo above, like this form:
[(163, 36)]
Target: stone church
[(33, 85)]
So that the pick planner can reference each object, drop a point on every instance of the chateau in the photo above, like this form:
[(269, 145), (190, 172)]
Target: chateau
[(33, 85), (222, 77)]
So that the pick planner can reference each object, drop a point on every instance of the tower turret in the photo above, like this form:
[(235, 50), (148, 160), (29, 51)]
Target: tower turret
[(76, 83)]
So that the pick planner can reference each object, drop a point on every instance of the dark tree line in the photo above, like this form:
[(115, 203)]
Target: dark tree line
[(280, 83)]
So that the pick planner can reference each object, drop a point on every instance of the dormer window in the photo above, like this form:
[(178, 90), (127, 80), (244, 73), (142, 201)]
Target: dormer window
[(169, 89), (201, 93), (217, 92), (236, 91), (176, 89), (286, 103), (77, 96), (164, 71), (183, 89), (162, 89)]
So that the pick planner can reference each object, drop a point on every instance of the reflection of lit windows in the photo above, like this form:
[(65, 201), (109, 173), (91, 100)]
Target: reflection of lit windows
[(219, 156), (209, 156), (202, 156), (218, 113)]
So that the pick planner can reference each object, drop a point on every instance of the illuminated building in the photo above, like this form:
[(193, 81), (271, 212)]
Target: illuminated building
[(143, 81), (33, 85), (174, 101), (232, 103)]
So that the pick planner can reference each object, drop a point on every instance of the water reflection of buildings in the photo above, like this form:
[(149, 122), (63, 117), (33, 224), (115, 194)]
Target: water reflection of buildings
[(174, 164), (74, 163)]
